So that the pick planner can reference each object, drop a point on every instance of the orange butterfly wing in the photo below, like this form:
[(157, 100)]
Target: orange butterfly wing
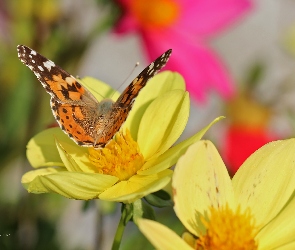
[(75, 109)]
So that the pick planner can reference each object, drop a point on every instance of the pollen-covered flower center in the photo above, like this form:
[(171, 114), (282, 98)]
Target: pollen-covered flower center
[(155, 13), (228, 229), (120, 157)]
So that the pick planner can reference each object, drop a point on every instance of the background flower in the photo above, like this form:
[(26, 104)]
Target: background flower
[(247, 129), (185, 26)]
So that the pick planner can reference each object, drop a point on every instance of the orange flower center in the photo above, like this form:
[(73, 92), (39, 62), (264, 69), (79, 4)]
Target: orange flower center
[(121, 157), (154, 14), (228, 229)]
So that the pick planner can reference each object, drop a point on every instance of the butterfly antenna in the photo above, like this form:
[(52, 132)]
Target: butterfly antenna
[(135, 66)]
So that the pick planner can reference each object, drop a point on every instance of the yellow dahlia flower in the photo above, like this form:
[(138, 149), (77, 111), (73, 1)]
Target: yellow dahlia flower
[(254, 210), (133, 164)]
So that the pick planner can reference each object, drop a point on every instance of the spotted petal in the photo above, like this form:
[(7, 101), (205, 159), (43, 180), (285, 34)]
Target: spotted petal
[(262, 174), (200, 181)]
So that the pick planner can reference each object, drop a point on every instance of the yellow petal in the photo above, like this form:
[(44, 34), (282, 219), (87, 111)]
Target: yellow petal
[(162, 123), (75, 158), (42, 151), (157, 86), (99, 89), (82, 186), (279, 231), (67, 159), (266, 180), (200, 180), (176, 126), (161, 237), (137, 187), (287, 246), (170, 157), (28, 177)]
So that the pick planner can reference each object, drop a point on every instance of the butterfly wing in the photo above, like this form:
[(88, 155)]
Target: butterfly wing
[(73, 106), (77, 121), (123, 105), (57, 82), (127, 98), (75, 109)]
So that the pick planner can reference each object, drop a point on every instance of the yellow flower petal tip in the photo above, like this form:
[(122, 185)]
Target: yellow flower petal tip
[(121, 157)]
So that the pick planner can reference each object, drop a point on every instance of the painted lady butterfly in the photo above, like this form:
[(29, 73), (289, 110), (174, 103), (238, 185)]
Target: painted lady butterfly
[(85, 120)]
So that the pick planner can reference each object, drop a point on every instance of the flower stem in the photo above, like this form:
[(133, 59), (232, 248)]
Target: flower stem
[(119, 234), (126, 215)]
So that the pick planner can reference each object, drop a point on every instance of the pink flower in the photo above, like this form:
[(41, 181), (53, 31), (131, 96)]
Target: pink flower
[(185, 26)]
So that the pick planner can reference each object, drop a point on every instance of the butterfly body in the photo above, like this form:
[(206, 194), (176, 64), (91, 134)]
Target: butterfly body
[(85, 120)]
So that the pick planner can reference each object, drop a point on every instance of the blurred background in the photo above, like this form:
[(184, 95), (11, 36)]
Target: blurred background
[(238, 60)]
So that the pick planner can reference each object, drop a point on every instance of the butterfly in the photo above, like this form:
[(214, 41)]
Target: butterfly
[(86, 121)]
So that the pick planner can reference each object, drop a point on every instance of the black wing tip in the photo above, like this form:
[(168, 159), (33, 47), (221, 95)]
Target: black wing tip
[(168, 52), (19, 49), (23, 48), (166, 55), (20, 46)]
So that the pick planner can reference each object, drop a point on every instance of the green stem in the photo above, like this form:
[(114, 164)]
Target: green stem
[(119, 233), (126, 215)]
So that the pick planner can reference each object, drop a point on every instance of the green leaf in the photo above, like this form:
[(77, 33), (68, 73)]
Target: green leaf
[(142, 210), (162, 195), (127, 212), (156, 200)]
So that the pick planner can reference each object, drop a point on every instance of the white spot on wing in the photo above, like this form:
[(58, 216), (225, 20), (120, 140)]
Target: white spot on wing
[(39, 67), (150, 71), (48, 64), (33, 61), (33, 52)]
